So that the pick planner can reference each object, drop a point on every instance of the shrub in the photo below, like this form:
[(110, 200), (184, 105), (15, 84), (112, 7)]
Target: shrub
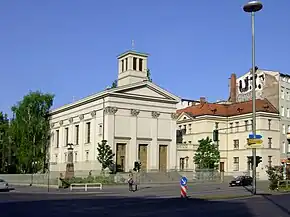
[(275, 174), (92, 179)]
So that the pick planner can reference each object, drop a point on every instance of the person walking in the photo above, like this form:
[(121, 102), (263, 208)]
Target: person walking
[(130, 183)]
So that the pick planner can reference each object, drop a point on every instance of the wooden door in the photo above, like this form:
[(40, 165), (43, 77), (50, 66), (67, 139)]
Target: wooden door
[(222, 166), (121, 157), (181, 163), (142, 152), (163, 157)]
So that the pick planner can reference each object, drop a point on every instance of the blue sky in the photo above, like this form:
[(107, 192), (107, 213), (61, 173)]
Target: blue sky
[(69, 47)]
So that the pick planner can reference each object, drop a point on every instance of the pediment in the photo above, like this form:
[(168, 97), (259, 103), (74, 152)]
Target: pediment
[(148, 90), (183, 117)]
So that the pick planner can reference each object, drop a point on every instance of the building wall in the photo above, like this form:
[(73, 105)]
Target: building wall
[(231, 129), (126, 120)]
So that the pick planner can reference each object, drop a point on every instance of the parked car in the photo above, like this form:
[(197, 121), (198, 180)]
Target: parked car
[(4, 186), (241, 181)]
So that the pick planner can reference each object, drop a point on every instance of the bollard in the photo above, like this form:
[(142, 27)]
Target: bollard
[(183, 191), (183, 187)]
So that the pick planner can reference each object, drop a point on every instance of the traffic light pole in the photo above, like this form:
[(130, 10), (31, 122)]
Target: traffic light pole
[(254, 153)]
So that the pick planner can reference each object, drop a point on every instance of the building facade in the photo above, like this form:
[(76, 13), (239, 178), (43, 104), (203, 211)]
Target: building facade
[(233, 120), (137, 118), (275, 87)]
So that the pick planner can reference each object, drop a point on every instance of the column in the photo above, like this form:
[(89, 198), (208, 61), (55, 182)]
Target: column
[(154, 147), (133, 146), (172, 147), (109, 126)]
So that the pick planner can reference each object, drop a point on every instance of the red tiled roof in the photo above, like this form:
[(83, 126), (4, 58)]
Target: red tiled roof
[(226, 110)]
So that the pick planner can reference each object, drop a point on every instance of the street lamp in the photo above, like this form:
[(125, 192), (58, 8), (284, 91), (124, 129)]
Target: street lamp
[(252, 7)]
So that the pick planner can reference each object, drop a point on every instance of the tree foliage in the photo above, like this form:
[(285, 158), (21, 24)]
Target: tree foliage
[(275, 174), (30, 130), (5, 148), (149, 75), (207, 155), (105, 155)]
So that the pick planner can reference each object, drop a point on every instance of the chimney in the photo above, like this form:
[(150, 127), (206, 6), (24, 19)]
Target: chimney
[(233, 88), (202, 100)]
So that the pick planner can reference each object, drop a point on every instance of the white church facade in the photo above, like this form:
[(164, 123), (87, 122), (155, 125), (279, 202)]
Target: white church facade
[(137, 118)]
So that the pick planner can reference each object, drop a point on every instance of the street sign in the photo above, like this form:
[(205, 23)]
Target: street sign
[(183, 181), (257, 136), (254, 143)]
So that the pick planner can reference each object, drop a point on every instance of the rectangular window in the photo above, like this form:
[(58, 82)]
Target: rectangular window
[(231, 127), (269, 142), (288, 151), (284, 148), (283, 129), (282, 111), (270, 161), (87, 155), (246, 125), (236, 164), (252, 125), (288, 113), (269, 124), (288, 130), (77, 131), (66, 135), (236, 144), (88, 129), (140, 65), (57, 138), (126, 64), (134, 63), (65, 157), (282, 94), (76, 157)]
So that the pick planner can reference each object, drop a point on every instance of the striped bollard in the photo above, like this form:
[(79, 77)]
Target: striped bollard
[(183, 192), (183, 187)]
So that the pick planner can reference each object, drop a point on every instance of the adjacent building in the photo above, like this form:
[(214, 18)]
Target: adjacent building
[(275, 87), (234, 123), (137, 118)]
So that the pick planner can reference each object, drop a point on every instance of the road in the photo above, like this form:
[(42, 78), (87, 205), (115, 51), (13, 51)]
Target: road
[(73, 205)]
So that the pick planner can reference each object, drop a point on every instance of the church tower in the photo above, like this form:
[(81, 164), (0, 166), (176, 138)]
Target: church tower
[(132, 67)]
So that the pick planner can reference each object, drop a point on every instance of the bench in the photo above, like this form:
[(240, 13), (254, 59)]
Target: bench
[(86, 186)]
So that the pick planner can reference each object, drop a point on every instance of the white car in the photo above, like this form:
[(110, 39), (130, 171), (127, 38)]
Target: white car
[(4, 186)]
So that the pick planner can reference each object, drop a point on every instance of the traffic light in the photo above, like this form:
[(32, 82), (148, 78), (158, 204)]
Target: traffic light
[(215, 136), (251, 160), (258, 160)]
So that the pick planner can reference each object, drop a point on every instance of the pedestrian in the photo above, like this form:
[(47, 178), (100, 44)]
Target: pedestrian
[(130, 183)]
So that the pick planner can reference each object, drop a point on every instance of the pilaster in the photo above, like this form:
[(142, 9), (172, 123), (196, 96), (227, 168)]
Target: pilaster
[(109, 126), (173, 146), (154, 150), (133, 148)]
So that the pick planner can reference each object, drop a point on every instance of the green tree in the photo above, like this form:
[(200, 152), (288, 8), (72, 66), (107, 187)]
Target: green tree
[(105, 155), (31, 131), (4, 143), (207, 155), (114, 84), (149, 75)]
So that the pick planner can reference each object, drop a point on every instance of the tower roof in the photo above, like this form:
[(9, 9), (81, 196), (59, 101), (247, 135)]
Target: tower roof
[(133, 53)]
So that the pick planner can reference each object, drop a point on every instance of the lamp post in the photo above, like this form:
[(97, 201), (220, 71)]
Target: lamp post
[(253, 7)]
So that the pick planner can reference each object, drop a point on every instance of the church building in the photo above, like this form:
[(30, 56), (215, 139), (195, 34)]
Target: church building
[(137, 118)]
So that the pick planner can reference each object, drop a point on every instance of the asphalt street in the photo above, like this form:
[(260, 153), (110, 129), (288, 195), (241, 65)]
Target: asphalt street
[(89, 205)]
